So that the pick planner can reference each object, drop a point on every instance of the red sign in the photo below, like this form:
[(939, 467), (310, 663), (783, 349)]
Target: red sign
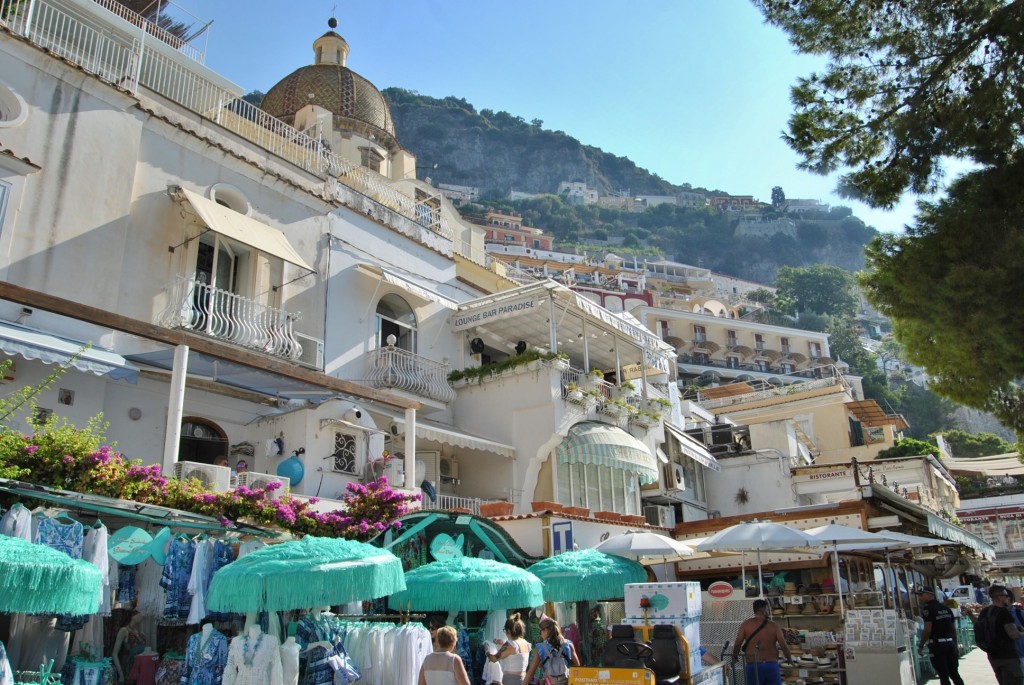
[(720, 589)]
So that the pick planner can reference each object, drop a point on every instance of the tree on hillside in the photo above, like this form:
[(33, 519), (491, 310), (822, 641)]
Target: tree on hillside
[(966, 445), (844, 343), (821, 288), (909, 447), (952, 287), (907, 83), (778, 197)]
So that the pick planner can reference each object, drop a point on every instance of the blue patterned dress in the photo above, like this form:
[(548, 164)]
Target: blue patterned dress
[(318, 629), (204, 664), (174, 579)]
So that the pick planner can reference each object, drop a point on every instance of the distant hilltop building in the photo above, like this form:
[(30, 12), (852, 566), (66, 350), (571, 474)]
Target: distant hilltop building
[(804, 206), (459, 194), (577, 193), (508, 229), (733, 202)]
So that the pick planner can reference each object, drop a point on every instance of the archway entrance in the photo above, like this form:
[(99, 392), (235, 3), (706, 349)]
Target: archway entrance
[(201, 441)]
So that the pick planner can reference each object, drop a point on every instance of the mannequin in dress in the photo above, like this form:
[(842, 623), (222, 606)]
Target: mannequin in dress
[(129, 642), (254, 658), (205, 657), (290, 661), (143, 671)]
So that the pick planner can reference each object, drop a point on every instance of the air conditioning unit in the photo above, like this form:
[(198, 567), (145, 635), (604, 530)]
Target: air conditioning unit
[(660, 515), (261, 480), (312, 351), (213, 478), (448, 468), (676, 479)]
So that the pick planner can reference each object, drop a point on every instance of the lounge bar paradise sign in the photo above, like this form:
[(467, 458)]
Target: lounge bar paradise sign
[(494, 312)]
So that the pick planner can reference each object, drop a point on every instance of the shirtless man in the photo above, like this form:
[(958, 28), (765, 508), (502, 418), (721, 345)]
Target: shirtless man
[(760, 640)]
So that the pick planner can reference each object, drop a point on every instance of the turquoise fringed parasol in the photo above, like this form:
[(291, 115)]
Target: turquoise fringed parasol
[(586, 574), (306, 573), (35, 579), (468, 584)]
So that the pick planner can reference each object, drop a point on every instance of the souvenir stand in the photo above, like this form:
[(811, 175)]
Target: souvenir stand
[(316, 573), (154, 564)]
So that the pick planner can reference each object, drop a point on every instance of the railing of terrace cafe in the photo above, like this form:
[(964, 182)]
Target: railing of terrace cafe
[(129, 64)]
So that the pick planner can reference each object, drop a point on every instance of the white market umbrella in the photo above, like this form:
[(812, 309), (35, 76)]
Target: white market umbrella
[(757, 536), (895, 540), (851, 539), (645, 547)]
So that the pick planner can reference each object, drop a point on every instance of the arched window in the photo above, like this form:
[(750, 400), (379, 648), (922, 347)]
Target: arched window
[(201, 441), (395, 317)]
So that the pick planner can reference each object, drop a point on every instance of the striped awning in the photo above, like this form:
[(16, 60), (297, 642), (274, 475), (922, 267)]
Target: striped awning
[(601, 444)]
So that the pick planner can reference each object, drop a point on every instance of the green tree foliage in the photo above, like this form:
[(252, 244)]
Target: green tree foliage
[(821, 288), (907, 83), (952, 286), (778, 197), (844, 343), (909, 447), (254, 97), (926, 412), (966, 445)]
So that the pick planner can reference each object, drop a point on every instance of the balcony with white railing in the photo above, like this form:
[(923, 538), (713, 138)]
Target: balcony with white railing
[(453, 503), (232, 318), (131, 64), (397, 369)]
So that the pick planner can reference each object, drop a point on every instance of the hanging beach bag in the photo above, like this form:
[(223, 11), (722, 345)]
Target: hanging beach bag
[(345, 672)]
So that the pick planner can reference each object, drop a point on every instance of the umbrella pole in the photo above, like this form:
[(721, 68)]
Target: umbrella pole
[(895, 585), (743, 574), (839, 581), (760, 585)]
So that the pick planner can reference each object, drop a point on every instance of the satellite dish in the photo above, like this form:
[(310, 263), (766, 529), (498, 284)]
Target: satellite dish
[(476, 345)]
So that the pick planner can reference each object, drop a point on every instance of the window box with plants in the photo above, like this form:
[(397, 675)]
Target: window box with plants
[(646, 419), (476, 374)]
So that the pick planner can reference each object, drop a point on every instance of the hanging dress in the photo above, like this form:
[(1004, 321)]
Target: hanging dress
[(205, 662)]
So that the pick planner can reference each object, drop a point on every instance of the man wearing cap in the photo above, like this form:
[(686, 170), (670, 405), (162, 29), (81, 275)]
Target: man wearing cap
[(940, 637), (1002, 655)]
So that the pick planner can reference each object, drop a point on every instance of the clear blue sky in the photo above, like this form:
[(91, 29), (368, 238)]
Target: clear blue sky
[(696, 91)]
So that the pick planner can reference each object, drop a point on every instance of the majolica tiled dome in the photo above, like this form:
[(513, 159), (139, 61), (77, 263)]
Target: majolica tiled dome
[(329, 84)]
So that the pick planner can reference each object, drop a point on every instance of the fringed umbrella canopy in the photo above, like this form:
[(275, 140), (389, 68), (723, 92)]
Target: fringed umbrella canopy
[(36, 579), (468, 584), (311, 572), (586, 574)]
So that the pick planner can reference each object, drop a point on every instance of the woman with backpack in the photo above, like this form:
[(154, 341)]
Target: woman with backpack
[(554, 655)]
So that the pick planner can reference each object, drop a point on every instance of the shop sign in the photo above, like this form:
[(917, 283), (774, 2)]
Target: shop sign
[(720, 589), (496, 312), (132, 545)]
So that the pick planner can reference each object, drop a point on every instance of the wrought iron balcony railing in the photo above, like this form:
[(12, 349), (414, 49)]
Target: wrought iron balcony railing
[(397, 369), (224, 315)]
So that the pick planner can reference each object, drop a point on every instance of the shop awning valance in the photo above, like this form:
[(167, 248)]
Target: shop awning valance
[(50, 349), (945, 529), (244, 229), (601, 444), (692, 448), (450, 436)]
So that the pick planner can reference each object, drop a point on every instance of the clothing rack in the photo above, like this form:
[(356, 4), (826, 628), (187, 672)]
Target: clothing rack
[(370, 618)]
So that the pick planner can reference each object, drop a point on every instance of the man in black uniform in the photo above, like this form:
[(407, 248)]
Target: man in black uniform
[(940, 636)]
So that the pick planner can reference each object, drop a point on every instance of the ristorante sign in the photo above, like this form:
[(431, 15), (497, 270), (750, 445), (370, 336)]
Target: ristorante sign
[(497, 311)]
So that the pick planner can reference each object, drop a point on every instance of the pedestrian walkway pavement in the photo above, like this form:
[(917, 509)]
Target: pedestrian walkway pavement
[(974, 669)]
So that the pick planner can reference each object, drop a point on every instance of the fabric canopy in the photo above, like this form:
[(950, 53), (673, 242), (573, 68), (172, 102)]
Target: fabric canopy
[(693, 449), (49, 349), (586, 574), (407, 285), (36, 579), (244, 229), (601, 444)]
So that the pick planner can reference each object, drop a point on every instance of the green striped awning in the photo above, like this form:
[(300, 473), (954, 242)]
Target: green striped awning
[(592, 442)]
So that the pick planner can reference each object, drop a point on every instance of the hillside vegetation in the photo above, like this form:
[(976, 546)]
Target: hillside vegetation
[(499, 152)]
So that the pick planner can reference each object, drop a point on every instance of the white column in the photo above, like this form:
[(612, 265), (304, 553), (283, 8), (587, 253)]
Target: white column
[(410, 451), (175, 405)]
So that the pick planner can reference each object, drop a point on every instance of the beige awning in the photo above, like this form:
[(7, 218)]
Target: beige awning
[(450, 436), (693, 449), (245, 230), (407, 285)]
